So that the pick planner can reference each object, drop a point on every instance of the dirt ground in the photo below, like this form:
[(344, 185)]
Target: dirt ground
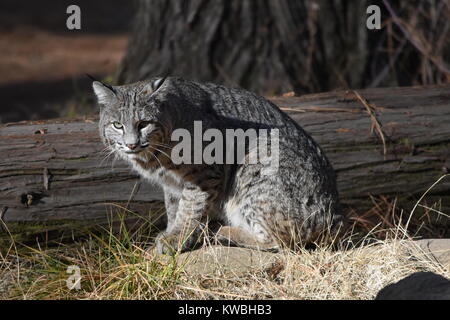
[(43, 64)]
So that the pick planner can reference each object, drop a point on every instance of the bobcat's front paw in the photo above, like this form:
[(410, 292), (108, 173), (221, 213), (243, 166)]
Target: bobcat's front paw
[(167, 243), (172, 243)]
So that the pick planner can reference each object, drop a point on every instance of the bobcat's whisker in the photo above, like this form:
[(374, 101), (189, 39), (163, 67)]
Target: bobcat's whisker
[(160, 164), (107, 156), (161, 152), (163, 146)]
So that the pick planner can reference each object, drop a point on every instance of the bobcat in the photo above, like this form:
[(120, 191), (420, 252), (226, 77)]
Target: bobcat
[(294, 205)]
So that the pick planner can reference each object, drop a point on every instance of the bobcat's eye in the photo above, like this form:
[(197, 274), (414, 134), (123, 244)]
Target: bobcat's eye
[(118, 125), (143, 124)]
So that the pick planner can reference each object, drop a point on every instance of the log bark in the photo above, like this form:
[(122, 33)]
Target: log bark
[(53, 177)]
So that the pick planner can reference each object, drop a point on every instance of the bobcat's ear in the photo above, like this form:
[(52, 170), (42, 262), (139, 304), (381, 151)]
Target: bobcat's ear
[(106, 94), (153, 86)]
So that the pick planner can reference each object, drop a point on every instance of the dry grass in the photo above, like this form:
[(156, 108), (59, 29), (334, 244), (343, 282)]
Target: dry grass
[(376, 251), (116, 267), (113, 271)]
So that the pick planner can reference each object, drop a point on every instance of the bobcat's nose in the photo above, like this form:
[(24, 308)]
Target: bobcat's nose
[(132, 146)]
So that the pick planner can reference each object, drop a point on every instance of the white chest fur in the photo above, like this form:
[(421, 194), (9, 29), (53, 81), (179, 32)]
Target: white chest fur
[(159, 176)]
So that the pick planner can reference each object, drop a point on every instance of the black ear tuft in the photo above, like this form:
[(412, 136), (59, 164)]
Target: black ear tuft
[(151, 87), (109, 87), (91, 77), (105, 84)]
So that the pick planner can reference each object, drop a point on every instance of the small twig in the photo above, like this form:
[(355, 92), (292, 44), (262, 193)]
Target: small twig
[(320, 109), (375, 123)]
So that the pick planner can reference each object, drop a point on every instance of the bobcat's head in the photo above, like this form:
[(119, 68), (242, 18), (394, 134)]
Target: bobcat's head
[(131, 117)]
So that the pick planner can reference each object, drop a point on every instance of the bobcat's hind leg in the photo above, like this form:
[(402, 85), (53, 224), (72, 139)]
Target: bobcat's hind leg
[(238, 237)]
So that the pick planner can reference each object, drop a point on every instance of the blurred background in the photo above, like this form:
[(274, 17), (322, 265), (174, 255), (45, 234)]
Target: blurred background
[(271, 47), (43, 64)]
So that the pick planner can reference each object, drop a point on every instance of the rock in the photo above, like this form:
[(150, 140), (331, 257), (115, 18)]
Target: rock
[(226, 261), (418, 286), (437, 250)]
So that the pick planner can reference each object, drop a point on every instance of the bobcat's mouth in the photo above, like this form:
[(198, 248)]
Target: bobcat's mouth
[(135, 150)]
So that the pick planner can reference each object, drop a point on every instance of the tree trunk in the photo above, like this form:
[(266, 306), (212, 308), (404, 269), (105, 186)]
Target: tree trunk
[(274, 46), (53, 177)]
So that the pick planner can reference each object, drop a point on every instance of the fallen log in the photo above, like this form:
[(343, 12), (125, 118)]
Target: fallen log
[(391, 142)]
